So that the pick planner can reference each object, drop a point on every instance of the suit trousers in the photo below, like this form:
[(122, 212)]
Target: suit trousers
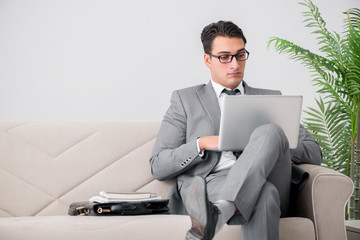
[(258, 183)]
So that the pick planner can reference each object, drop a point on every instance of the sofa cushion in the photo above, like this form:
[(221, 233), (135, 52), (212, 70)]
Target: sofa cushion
[(54, 163), (160, 227)]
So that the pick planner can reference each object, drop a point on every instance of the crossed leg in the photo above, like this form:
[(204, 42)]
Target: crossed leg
[(258, 183)]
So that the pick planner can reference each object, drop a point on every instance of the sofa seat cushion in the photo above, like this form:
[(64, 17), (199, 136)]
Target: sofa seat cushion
[(161, 227)]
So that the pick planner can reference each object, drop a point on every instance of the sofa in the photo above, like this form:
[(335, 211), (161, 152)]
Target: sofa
[(47, 165)]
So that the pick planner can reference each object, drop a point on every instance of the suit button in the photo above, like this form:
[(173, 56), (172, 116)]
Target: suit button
[(189, 158)]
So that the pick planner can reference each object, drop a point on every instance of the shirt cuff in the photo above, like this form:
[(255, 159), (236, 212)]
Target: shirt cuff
[(198, 148)]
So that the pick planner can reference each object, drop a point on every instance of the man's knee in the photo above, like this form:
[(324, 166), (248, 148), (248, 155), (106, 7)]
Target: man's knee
[(274, 132), (270, 127)]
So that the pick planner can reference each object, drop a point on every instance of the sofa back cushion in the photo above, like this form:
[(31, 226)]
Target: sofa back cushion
[(46, 165)]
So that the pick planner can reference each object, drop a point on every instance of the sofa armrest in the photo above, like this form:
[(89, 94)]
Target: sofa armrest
[(323, 200)]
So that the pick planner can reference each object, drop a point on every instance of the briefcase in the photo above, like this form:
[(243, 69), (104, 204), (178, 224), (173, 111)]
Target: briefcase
[(119, 208)]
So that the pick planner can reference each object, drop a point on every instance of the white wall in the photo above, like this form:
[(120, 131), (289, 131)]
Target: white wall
[(111, 59)]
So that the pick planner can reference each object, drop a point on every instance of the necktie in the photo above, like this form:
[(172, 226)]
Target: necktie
[(230, 92)]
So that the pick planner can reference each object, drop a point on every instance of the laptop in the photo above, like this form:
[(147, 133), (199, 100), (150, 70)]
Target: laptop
[(242, 114)]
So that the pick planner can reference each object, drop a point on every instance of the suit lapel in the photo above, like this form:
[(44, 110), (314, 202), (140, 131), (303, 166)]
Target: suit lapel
[(210, 103), (249, 90)]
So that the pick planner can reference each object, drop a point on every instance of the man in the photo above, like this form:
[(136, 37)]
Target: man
[(251, 188)]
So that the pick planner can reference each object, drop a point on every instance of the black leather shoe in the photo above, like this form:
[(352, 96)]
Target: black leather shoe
[(203, 214)]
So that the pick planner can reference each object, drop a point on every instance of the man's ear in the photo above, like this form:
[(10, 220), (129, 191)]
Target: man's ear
[(207, 60)]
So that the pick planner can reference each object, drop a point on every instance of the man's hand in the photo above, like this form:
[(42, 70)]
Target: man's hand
[(208, 142)]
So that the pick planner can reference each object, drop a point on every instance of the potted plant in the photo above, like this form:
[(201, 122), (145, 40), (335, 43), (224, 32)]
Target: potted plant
[(335, 123)]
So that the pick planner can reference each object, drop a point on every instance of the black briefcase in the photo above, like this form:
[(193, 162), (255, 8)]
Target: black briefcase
[(119, 208)]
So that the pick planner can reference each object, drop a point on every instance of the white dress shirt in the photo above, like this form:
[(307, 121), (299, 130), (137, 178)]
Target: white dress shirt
[(227, 158)]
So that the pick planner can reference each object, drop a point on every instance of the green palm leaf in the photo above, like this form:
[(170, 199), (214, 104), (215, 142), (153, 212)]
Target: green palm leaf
[(331, 129), (336, 75)]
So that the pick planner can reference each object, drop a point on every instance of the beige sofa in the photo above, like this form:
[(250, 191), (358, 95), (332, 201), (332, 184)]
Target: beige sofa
[(46, 165)]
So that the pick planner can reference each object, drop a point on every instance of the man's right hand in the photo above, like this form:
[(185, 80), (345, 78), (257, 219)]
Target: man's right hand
[(208, 142)]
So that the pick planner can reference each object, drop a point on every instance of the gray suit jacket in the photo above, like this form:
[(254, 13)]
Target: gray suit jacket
[(194, 112)]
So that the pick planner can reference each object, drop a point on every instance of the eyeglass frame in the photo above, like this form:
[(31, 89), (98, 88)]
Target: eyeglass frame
[(232, 56)]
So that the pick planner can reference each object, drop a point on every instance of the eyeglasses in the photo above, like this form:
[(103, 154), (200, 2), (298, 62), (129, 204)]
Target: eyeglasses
[(227, 58)]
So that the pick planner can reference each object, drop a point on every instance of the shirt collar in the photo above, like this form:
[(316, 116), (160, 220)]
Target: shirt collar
[(218, 88)]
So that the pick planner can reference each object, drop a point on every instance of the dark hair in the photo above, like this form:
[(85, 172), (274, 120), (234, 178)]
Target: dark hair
[(221, 28)]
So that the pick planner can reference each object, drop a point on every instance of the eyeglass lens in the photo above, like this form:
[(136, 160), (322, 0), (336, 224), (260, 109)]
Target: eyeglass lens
[(241, 56)]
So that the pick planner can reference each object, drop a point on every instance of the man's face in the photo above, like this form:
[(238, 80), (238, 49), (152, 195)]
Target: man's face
[(229, 74)]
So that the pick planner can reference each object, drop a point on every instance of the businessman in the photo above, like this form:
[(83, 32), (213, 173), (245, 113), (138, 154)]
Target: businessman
[(250, 188)]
